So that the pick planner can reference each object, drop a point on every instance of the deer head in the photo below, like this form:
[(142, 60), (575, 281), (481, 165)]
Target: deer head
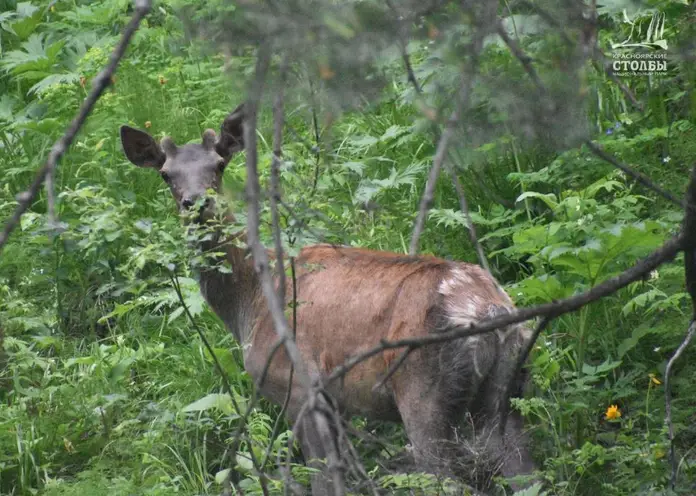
[(189, 170)]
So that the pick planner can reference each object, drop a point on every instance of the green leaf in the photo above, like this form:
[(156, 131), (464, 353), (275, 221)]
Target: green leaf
[(548, 198), (534, 490), (600, 369), (215, 401), (222, 475), (639, 332), (244, 462)]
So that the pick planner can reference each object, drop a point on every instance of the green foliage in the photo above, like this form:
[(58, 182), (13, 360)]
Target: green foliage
[(106, 389)]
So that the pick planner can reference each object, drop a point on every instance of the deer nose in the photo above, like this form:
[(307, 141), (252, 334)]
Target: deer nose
[(187, 203)]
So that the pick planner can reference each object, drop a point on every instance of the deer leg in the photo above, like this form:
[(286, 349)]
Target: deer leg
[(428, 427), (315, 430)]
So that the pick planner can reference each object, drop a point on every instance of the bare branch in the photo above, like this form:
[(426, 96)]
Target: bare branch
[(51, 197), (100, 83), (550, 20), (601, 58), (253, 189), (442, 145), (464, 207), (316, 149), (668, 400), (288, 392), (403, 42), (403, 46), (638, 176), (520, 55), (689, 230), (521, 360), (598, 56), (261, 263), (666, 252), (278, 118), (223, 375), (228, 388), (393, 367)]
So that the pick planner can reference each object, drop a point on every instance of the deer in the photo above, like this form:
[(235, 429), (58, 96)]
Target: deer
[(350, 300)]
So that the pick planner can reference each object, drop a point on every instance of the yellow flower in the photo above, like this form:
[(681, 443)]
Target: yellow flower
[(654, 379), (148, 124), (162, 80), (613, 412)]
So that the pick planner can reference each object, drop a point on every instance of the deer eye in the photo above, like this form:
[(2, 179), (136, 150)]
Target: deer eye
[(165, 176), (221, 164)]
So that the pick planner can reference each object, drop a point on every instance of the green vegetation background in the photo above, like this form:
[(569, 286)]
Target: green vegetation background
[(106, 389)]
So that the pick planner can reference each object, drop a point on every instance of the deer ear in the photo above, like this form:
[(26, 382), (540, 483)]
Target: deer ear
[(141, 148), (231, 133)]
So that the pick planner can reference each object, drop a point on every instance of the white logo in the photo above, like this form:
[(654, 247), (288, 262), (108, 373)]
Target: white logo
[(652, 37)]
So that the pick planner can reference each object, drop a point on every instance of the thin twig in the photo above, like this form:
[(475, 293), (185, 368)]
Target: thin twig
[(276, 163), (253, 189), (666, 252), (278, 120), (609, 71), (689, 230), (392, 368), (260, 256), (520, 55), (550, 20), (668, 400), (99, 84), (288, 392), (457, 185), (638, 176), (316, 149), (228, 388), (464, 207), (51, 198), (521, 360), (223, 375), (403, 46), (442, 145)]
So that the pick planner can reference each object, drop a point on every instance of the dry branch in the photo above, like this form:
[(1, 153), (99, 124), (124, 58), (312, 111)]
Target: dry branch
[(521, 360), (261, 262), (641, 178), (261, 265), (524, 59), (689, 230), (228, 389), (668, 400), (463, 96), (464, 207), (402, 41), (463, 204), (99, 84)]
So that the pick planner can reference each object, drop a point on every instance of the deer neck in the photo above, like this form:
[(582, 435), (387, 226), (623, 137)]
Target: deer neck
[(229, 283)]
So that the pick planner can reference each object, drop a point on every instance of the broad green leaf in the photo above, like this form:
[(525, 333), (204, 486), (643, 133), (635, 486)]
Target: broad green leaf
[(600, 369), (214, 401), (222, 475), (548, 198), (629, 343)]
